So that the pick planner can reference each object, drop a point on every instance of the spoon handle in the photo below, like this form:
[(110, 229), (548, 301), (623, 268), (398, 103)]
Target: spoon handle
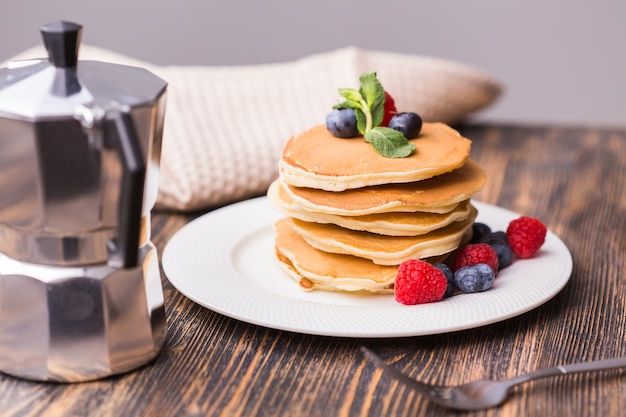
[(573, 368)]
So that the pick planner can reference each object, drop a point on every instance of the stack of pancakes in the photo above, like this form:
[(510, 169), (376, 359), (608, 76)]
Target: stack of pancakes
[(354, 215)]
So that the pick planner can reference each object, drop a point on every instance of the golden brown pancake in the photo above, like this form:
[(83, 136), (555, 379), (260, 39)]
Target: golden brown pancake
[(391, 224), (315, 269), (355, 215), (440, 194), (317, 159), (381, 249)]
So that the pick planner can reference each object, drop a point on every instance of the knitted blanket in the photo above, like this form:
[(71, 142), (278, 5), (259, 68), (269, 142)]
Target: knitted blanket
[(225, 126)]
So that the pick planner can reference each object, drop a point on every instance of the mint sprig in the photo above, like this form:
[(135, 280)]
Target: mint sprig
[(389, 142), (368, 103)]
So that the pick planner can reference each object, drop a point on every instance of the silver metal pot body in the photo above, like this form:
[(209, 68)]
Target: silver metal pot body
[(74, 324), (60, 189), (80, 144)]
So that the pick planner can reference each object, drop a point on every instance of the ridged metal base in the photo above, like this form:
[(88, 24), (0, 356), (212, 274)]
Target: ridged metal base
[(79, 324)]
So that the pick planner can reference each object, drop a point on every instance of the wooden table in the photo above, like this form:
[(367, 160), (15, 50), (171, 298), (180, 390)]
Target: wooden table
[(573, 179)]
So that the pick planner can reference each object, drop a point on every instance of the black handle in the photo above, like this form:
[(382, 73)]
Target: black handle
[(124, 250), (62, 40)]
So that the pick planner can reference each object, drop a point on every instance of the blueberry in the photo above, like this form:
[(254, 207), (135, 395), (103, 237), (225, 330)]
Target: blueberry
[(474, 278), (491, 237), (408, 123), (504, 252), (499, 243), (450, 276), (478, 231), (342, 123)]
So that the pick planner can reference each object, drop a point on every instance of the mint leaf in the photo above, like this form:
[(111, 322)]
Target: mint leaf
[(368, 103), (361, 121), (389, 142), (374, 94), (351, 94), (348, 105)]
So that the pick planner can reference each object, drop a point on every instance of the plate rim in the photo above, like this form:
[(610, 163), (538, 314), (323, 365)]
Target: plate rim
[(179, 281)]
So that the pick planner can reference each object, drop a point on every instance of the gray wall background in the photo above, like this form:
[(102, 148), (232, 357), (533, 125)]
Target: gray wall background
[(561, 61)]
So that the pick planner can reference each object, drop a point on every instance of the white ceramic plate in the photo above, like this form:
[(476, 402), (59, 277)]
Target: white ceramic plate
[(224, 261)]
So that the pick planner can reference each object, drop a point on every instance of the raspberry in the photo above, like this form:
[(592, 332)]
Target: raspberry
[(390, 109), (419, 282), (475, 253), (525, 236)]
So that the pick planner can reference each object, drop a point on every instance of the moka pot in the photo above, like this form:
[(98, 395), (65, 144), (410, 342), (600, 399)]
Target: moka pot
[(80, 143)]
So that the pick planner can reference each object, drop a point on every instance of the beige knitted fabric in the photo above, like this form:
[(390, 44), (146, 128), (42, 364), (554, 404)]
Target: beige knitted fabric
[(226, 125)]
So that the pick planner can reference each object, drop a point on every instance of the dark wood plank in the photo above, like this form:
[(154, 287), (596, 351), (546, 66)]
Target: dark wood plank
[(574, 179)]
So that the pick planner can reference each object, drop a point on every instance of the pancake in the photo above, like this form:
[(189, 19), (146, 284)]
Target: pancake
[(317, 159), (314, 269), (385, 250), (391, 224), (440, 194)]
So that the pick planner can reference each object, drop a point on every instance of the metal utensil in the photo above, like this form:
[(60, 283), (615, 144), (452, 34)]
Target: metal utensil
[(486, 393)]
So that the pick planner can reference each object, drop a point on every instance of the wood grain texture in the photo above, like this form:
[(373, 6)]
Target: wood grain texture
[(573, 179)]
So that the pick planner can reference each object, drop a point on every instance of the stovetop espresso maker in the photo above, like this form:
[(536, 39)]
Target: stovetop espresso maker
[(80, 143)]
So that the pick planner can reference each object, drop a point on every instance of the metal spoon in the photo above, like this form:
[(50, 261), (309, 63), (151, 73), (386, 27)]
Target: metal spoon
[(486, 393)]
